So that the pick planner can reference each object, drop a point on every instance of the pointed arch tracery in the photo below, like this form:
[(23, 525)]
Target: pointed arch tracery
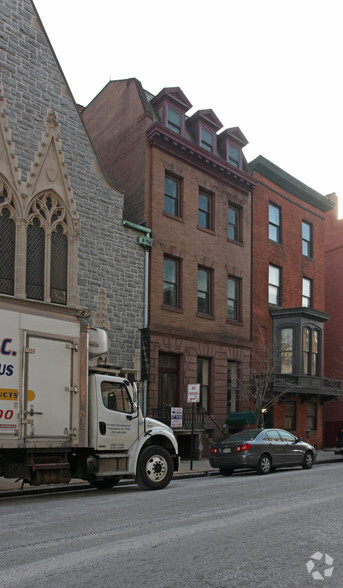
[(49, 233), (39, 227)]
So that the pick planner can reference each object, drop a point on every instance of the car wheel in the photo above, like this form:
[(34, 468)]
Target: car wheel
[(155, 468), (225, 472), (264, 465), (308, 460), (105, 483)]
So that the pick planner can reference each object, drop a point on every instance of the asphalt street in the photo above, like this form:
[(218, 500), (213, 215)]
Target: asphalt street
[(246, 530)]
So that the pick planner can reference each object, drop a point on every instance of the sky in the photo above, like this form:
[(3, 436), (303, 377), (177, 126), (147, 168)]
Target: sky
[(273, 68)]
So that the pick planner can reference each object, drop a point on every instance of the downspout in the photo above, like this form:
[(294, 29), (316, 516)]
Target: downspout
[(146, 242)]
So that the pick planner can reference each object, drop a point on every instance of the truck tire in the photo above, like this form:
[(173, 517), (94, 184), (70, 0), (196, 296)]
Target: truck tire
[(105, 483), (155, 468)]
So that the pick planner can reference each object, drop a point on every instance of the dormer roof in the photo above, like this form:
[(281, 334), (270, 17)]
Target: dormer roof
[(172, 95), (235, 134), (207, 116)]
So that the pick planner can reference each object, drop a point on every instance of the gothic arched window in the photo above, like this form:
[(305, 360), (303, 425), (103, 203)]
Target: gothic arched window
[(35, 257), (47, 250), (7, 249), (59, 264)]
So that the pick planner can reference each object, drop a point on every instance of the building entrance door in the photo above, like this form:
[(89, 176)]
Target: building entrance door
[(168, 377)]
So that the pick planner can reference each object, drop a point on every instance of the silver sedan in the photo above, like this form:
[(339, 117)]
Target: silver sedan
[(262, 450)]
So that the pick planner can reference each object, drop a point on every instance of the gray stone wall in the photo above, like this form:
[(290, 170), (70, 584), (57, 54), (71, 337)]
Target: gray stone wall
[(109, 256)]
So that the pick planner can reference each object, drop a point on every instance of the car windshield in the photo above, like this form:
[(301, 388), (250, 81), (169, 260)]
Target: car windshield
[(243, 435)]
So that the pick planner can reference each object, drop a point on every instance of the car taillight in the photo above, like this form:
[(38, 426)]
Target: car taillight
[(243, 447), (214, 450)]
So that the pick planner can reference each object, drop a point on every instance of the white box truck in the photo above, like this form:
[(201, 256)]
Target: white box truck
[(62, 419)]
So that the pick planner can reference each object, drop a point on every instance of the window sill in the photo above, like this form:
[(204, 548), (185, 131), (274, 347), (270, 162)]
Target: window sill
[(235, 242), (173, 217), (209, 317), (233, 322), (209, 231), (308, 258), (172, 308)]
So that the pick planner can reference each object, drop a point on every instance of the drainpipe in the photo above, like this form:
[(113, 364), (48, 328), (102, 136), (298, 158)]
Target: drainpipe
[(146, 242)]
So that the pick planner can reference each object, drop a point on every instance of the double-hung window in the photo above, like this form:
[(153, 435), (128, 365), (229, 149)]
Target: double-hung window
[(204, 291), (274, 286), (232, 386), (286, 350), (171, 271), (206, 140), (174, 121), (311, 351), (233, 156), (233, 298), (307, 239), (205, 211), (203, 378), (172, 196), (233, 230), (290, 415), (274, 223), (307, 293), (311, 416)]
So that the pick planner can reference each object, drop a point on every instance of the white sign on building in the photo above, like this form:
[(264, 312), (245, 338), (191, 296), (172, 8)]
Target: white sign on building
[(193, 393)]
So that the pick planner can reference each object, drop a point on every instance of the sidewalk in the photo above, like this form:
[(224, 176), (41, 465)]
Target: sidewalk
[(200, 467)]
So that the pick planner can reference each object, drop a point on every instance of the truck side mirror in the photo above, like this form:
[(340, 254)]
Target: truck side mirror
[(135, 394)]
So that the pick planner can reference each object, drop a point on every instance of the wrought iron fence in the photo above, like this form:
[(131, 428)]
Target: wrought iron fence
[(202, 421)]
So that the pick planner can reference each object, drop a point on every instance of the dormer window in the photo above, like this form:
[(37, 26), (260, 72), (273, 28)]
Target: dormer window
[(206, 140), (233, 156), (174, 120), (230, 145), (202, 127), (172, 105)]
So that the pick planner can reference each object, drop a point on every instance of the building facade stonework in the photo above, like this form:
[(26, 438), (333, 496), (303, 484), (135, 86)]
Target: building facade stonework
[(65, 243)]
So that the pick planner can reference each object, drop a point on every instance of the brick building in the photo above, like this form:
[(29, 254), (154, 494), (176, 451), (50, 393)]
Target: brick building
[(288, 296), (334, 306), (188, 180), (63, 243)]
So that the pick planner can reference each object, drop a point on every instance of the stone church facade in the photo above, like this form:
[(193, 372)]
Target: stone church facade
[(63, 242)]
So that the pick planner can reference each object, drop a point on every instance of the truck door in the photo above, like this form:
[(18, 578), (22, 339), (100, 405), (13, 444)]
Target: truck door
[(48, 376), (117, 417)]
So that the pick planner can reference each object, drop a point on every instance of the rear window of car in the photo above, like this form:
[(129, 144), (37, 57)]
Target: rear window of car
[(244, 435)]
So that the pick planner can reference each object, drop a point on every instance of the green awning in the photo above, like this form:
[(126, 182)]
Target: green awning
[(247, 417)]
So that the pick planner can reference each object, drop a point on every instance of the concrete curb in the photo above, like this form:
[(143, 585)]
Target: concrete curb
[(196, 473)]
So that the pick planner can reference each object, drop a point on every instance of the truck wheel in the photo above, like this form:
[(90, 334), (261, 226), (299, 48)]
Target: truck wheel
[(105, 483), (155, 468)]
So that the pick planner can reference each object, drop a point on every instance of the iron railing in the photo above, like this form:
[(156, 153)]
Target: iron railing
[(202, 420)]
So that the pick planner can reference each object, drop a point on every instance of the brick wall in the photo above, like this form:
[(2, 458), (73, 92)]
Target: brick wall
[(287, 255)]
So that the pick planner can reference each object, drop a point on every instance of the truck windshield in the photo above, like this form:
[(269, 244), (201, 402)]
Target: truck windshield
[(115, 396)]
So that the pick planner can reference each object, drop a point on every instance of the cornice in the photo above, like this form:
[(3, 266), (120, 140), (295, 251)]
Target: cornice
[(278, 176), (304, 312), (163, 138)]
